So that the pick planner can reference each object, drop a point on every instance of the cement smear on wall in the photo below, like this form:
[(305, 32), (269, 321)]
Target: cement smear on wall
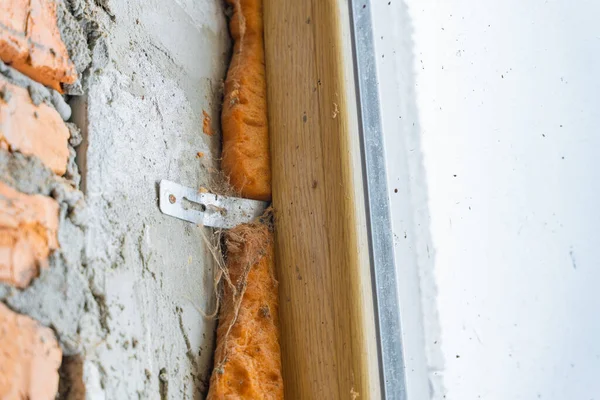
[(160, 66), (125, 290)]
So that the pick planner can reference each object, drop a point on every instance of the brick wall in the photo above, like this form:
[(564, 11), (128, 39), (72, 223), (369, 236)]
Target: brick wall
[(31, 126)]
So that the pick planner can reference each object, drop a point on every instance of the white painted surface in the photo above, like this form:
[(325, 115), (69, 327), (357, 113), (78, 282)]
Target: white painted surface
[(492, 144)]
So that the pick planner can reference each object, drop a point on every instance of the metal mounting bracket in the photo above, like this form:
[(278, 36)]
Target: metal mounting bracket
[(207, 209)]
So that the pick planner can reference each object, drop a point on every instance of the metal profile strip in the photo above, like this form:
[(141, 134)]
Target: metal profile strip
[(387, 308)]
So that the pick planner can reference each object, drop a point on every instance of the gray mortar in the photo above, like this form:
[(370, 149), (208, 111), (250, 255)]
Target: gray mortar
[(58, 297), (75, 139), (64, 296), (83, 27), (75, 38), (38, 92), (26, 174)]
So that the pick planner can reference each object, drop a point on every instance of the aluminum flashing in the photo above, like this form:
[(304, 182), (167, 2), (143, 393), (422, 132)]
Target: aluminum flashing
[(378, 212)]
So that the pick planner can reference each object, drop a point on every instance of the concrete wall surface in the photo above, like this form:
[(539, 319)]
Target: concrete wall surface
[(162, 66), (491, 121)]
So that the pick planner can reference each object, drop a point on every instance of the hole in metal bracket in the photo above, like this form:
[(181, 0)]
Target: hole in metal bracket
[(192, 205)]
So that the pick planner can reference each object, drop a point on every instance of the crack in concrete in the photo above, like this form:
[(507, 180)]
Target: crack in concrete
[(163, 384), (200, 381)]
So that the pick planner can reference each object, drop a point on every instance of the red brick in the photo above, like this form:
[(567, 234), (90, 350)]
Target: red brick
[(29, 358), (30, 42), (28, 233), (32, 130)]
